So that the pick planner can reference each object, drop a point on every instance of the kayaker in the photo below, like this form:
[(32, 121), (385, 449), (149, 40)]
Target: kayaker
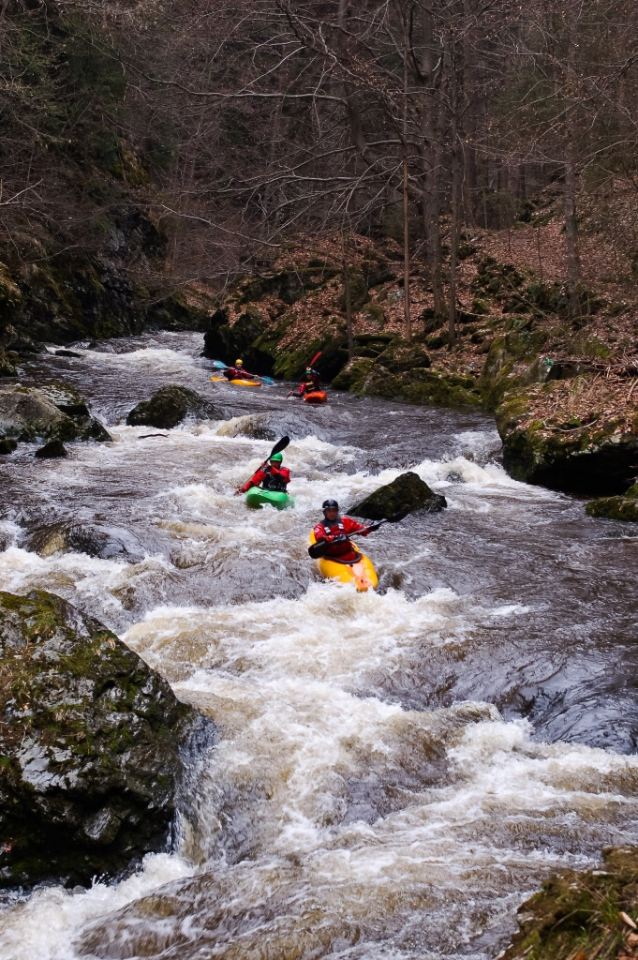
[(310, 383), (238, 373), (335, 529), (270, 476)]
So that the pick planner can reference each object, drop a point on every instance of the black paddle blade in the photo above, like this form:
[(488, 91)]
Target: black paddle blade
[(317, 550), (279, 446)]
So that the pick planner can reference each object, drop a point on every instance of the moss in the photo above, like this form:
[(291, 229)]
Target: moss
[(375, 313), (354, 375), (615, 508), (579, 913), (424, 386)]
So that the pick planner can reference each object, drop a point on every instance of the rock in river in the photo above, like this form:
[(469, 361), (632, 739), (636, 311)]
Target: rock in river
[(404, 495), (55, 411), (90, 745), (616, 508), (169, 406)]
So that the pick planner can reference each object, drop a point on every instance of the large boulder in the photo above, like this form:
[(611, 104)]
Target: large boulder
[(578, 459), (404, 495), (90, 743), (616, 508), (169, 406), (55, 411)]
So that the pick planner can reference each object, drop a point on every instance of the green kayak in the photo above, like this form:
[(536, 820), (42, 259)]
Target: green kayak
[(256, 497)]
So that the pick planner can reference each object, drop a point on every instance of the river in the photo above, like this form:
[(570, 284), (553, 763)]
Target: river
[(394, 771)]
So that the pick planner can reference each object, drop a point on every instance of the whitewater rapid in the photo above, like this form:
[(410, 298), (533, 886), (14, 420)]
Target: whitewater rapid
[(393, 771)]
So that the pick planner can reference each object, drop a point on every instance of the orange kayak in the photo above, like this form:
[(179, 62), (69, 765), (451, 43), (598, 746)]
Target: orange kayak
[(317, 396)]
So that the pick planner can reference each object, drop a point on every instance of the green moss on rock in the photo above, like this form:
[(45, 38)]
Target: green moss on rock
[(169, 406), (578, 915), (89, 746)]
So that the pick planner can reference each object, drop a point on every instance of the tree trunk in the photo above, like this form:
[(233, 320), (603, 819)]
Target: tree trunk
[(571, 176)]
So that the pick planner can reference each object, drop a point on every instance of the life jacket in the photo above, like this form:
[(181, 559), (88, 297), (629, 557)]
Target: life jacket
[(337, 550), (273, 481)]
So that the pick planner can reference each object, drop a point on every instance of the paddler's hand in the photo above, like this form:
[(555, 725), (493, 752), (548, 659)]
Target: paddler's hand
[(237, 492), (373, 526), (340, 539)]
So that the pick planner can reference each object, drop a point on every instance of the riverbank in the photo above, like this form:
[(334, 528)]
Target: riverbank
[(562, 390)]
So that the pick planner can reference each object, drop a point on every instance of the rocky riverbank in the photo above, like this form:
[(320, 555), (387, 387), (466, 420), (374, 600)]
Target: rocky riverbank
[(92, 747), (562, 390), (582, 916)]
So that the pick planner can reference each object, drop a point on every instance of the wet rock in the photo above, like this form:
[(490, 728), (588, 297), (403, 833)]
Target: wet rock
[(169, 406), (256, 426), (404, 495), (63, 537), (573, 910), (52, 450), (90, 746), (54, 411), (578, 459), (7, 446), (616, 508), (67, 353)]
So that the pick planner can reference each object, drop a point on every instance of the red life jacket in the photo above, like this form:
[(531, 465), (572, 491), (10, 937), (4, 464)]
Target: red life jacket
[(328, 531)]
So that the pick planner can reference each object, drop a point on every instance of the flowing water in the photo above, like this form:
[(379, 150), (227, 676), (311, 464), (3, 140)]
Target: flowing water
[(394, 771)]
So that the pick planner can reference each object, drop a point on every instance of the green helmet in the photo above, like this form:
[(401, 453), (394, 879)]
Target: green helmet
[(276, 458)]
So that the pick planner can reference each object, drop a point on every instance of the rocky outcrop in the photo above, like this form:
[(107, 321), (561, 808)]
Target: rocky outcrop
[(169, 406), (580, 915), (90, 744), (54, 411), (616, 508), (407, 494), (575, 459)]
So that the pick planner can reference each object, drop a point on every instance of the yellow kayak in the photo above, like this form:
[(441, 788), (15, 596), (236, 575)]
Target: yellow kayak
[(240, 383), (361, 572)]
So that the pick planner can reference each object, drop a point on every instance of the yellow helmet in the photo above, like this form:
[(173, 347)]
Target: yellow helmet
[(239, 363)]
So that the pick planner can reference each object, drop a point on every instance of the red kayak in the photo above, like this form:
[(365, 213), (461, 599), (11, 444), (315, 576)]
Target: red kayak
[(317, 396)]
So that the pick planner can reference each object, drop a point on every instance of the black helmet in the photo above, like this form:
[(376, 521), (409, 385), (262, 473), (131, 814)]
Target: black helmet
[(329, 505)]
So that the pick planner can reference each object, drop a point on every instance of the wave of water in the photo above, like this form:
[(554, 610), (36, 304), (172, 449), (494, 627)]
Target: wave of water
[(395, 770)]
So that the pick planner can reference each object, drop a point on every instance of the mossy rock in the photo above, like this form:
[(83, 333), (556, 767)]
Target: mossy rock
[(169, 406), (358, 291), (403, 356), (90, 743), (423, 386), (579, 914), (375, 313), (615, 508), (53, 412), (289, 285), (582, 460), (354, 375), (407, 494)]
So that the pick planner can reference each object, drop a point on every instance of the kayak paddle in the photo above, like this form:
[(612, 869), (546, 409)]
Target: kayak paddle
[(319, 549)]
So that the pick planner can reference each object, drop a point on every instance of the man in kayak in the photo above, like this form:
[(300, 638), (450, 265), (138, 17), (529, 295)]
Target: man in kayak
[(310, 383), (238, 373), (335, 529), (270, 476)]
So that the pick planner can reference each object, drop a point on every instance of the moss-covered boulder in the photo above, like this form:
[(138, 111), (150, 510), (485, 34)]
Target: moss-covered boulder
[(422, 386), (90, 742), (404, 495), (169, 406), (577, 458), (616, 508), (581, 915), (55, 411)]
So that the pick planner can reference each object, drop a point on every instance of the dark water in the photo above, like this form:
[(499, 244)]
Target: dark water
[(395, 770)]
